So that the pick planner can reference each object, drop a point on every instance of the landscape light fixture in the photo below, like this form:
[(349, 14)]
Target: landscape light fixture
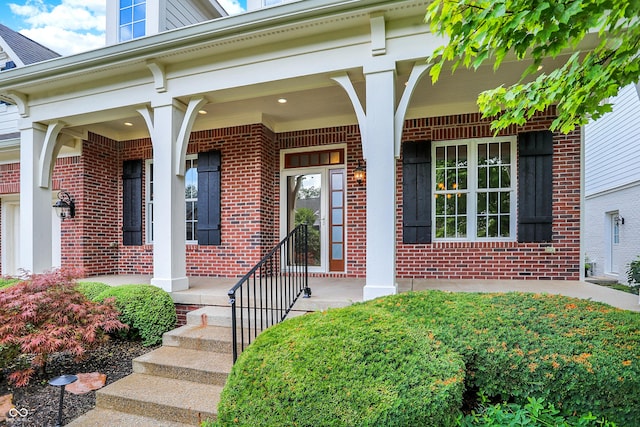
[(65, 206), (62, 381)]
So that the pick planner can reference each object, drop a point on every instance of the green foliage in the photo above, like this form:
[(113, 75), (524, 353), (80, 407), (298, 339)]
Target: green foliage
[(534, 413), (633, 274), (353, 366), (91, 289), (339, 367), (308, 216), (45, 314), (5, 282), (579, 355), (482, 30), (148, 310)]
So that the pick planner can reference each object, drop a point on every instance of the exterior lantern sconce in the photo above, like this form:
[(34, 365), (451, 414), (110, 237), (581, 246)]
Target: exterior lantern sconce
[(62, 381), (618, 220), (65, 207), (359, 173)]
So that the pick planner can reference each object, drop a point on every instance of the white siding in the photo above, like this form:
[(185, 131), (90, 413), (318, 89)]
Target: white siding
[(181, 13), (612, 185), (597, 230), (8, 119), (612, 145)]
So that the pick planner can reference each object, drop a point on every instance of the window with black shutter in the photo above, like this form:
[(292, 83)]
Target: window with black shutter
[(416, 192), (209, 206), (132, 203), (535, 189)]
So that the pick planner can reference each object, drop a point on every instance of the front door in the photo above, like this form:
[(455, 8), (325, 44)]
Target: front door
[(316, 196), (614, 242)]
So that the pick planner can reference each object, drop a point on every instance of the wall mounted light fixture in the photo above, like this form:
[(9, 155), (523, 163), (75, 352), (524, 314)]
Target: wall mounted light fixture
[(359, 174), (65, 206), (618, 219)]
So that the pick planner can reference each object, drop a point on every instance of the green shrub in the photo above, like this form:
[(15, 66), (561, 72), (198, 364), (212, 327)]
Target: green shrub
[(91, 289), (533, 413), (579, 355), (353, 366), (148, 310), (633, 275)]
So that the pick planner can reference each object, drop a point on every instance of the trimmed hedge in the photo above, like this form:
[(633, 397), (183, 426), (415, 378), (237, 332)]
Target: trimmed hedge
[(148, 310), (5, 282), (91, 289), (353, 366), (578, 355)]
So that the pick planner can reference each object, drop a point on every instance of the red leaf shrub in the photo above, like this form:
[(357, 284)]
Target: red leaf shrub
[(45, 314)]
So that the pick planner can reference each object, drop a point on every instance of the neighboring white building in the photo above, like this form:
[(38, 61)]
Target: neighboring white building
[(612, 187)]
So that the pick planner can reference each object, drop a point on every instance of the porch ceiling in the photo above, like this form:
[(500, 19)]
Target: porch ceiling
[(315, 101)]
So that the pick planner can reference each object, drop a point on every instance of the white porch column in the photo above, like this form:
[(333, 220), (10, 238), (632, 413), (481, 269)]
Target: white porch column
[(381, 184), (35, 203), (169, 253)]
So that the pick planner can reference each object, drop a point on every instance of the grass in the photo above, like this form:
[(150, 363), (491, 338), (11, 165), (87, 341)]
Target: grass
[(620, 287)]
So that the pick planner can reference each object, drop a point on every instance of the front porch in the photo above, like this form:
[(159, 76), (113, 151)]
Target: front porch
[(339, 292)]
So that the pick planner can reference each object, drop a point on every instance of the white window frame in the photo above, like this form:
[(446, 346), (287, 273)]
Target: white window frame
[(473, 190), (149, 203), (133, 22)]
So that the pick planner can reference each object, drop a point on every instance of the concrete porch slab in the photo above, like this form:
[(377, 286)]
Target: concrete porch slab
[(339, 292)]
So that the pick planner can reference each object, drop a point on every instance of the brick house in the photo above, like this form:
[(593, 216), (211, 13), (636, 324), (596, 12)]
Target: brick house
[(240, 118)]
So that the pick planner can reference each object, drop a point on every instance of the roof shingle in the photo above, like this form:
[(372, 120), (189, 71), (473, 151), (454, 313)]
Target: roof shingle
[(28, 51)]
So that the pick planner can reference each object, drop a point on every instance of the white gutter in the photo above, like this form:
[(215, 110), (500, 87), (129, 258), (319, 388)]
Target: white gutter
[(148, 47)]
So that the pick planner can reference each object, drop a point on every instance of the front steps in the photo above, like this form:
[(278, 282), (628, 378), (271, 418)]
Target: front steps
[(175, 385)]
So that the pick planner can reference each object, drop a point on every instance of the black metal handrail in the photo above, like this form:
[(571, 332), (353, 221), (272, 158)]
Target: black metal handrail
[(266, 294)]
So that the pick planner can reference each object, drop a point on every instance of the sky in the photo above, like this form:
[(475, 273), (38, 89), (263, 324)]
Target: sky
[(68, 26)]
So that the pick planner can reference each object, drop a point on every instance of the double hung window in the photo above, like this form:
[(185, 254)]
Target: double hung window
[(473, 186)]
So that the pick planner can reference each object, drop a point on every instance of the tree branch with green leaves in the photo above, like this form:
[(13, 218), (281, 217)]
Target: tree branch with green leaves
[(486, 30)]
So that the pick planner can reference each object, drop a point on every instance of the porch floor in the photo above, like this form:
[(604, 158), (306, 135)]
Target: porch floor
[(340, 292)]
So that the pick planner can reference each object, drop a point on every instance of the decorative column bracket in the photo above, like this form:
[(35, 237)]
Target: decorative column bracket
[(49, 153), (417, 72), (185, 131), (159, 76)]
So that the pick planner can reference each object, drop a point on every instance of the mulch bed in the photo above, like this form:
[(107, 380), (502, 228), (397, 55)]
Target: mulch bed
[(41, 400)]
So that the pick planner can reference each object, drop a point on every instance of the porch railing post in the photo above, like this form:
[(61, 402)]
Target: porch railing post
[(268, 284)]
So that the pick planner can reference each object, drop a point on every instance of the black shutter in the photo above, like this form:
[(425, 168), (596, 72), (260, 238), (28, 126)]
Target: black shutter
[(535, 186), (416, 192), (209, 198), (132, 203)]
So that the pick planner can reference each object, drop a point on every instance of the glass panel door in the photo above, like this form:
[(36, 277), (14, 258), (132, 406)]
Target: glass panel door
[(316, 197), (304, 206), (336, 217)]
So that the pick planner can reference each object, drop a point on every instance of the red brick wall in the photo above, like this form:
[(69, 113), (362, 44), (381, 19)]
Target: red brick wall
[(134, 259), (250, 205), (355, 249), (499, 260)]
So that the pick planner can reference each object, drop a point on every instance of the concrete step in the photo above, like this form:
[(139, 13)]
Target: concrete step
[(108, 418), (221, 316), (195, 337), (185, 364), (162, 398)]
